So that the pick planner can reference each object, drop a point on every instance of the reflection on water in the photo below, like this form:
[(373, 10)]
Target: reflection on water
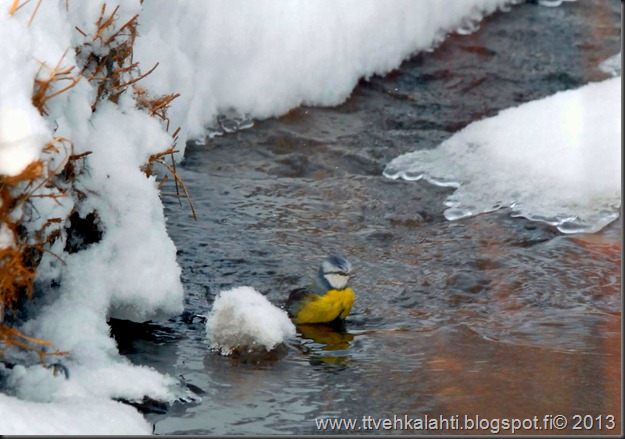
[(331, 338), (325, 343), (491, 316)]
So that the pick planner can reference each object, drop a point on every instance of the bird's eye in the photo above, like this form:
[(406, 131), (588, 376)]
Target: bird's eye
[(342, 273)]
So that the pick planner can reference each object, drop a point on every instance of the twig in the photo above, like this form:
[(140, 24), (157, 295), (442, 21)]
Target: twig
[(32, 17), (138, 78), (14, 7), (179, 180)]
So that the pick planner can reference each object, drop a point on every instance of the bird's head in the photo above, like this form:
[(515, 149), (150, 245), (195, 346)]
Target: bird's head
[(335, 272)]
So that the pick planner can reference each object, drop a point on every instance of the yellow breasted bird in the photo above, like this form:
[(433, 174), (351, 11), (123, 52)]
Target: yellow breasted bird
[(329, 299)]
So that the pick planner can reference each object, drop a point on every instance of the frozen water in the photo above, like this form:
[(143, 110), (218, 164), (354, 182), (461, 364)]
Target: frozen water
[(261, 59), (556, 160), (550, 3), (612, 65)]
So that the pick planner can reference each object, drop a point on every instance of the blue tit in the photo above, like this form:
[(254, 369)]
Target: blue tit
[(329, 299)]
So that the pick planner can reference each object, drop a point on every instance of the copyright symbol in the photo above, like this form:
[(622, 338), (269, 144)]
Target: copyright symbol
[(559, 422)]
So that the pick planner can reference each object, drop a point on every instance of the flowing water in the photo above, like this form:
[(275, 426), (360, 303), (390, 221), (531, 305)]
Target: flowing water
[(490, 316)]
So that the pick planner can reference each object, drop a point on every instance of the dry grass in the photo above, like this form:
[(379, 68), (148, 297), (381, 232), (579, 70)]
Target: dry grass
[(18, 262), (116, 72), (12, 337), (112, 74), (16, 193), (16, 277), (41, 90), (159, 158), (15, 6), (155, 106)]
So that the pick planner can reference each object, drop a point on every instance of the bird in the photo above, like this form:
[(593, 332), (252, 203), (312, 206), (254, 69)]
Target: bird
[(329, 299)]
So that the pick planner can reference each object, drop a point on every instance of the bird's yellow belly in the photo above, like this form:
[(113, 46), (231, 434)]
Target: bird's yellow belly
[(326, 308)]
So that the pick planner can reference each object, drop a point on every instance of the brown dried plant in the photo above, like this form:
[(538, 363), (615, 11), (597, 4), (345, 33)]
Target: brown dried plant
[(155, 106), (42, 86), (159, 158), (114, 73), (158, 107), (15, 6), (12, 337), (18, 262), (16, 276)]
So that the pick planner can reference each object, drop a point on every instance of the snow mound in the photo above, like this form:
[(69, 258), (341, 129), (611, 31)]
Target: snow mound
[(75, 416), (242, 318), (261, 59)]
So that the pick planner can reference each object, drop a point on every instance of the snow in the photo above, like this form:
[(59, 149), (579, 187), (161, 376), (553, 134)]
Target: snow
[(23, 131), (79, 416), (6, 237), (130, 273), (552, 3), (556, 160), (244, 318), (612, 65), (228, 57), (263, 58)]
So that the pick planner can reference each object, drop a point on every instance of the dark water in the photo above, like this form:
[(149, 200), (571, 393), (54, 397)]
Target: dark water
[(488, 316)]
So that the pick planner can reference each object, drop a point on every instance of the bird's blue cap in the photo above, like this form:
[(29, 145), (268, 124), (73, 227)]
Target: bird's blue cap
[(336, 263), (333, 265)]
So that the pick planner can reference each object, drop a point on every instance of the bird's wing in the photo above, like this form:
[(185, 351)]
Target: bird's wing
[(297, 299)]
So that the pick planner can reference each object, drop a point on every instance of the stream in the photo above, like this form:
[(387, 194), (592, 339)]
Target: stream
[(489, 316)]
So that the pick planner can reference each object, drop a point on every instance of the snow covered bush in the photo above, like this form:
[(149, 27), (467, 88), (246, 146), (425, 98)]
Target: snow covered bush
[(82, 229)]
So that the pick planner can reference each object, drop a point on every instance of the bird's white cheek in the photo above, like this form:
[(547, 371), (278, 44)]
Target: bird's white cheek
[(337, 281)]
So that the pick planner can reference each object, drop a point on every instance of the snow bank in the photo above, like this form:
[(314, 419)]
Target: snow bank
[(244, 318), (131, 272), (266, 57), (23, 132), (262, 59), (73, 416), (556, 160)]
